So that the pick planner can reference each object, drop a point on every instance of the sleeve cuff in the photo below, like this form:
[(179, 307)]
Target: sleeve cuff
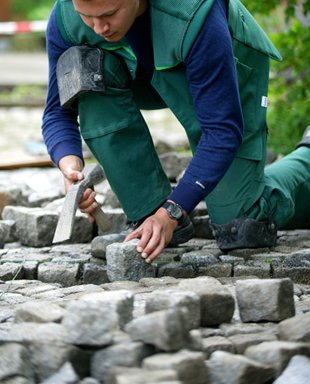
[(66, 148), (187, 195)]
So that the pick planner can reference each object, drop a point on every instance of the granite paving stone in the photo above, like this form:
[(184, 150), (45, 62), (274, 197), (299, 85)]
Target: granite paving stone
[(91, 308)]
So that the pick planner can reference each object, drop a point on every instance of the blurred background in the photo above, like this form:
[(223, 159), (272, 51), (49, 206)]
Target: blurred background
[(23, 78)]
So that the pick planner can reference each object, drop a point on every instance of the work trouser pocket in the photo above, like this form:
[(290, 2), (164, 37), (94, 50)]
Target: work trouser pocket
[(117, 135), (102, 114)]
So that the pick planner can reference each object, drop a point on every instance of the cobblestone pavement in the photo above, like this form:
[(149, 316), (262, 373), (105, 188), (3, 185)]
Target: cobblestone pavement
[(92, 311)]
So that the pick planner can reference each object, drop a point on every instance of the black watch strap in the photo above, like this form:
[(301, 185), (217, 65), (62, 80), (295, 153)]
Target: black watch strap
[(175, 211)]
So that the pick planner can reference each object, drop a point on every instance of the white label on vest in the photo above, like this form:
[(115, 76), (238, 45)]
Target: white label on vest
[(264, 101)]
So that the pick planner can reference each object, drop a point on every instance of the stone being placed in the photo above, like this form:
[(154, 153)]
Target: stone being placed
[(265, 300), (125, 263)]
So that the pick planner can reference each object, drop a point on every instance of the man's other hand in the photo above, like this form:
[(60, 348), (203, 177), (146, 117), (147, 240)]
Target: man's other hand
[(72, 170)]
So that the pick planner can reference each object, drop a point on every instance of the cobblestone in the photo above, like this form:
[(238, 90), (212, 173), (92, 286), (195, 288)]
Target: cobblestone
[(82, 313)]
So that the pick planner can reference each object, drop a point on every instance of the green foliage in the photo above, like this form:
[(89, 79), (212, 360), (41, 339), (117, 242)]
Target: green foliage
[(31, 9), (289, 91)]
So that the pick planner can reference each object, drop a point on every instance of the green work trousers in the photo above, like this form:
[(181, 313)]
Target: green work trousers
[(116, 133)]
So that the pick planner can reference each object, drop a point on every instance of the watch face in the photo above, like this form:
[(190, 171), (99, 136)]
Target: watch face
[(175, 211)]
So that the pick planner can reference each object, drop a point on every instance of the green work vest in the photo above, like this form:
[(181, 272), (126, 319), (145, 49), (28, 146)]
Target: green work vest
[(174, 28)]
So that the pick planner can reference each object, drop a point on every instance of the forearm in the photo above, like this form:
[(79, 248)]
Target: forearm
[(213, 85), (59, 126)]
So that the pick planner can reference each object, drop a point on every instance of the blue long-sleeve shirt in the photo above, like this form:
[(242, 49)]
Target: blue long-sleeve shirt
[(212, 80)]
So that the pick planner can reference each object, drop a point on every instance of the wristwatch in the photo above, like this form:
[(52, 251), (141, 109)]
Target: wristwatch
[(175, 211)]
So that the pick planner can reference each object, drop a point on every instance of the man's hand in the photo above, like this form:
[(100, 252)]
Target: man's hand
[(154, 233), (71, 168)]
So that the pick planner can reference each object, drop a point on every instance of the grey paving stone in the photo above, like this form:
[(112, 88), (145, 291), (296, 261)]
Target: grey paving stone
[(34, 227), (170, 299), (227, 368), (199, 258), (128, 354), (216, 302), (26, 333), (296, 329), (39, 312), (125, 263), (66, 375), (247, 328), (49, 348), (243, 341), (216, 270), (15, 361), (30, 270), (99, 244), (216, 343), (297, 372), (94, 274), (296, 274), (7, 231), (167, 329), (66, 274), (262, 271), (20, 256), (165, 281), (122, 375), (49, 358), (118, 302), (190, 366), (9, 271), (265, 300), (277, 354), (89, 324), (176, 270)]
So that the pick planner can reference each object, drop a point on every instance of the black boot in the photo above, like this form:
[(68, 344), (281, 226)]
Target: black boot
[(245, 233)]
